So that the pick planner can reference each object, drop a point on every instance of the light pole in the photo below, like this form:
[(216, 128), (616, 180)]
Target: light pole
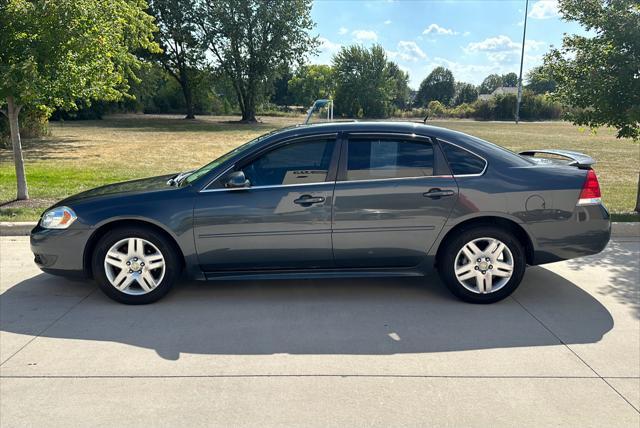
[(524, 35)]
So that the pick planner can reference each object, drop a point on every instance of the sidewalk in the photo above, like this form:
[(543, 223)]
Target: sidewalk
[(564, 350)]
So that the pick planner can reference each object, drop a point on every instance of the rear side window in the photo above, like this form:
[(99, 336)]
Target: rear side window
[(461, 161), (370, 159)]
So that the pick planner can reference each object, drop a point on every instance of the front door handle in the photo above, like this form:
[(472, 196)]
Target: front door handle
[(306, 200), (438, 193)]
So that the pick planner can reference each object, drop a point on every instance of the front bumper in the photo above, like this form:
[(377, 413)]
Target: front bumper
[(60, 251)]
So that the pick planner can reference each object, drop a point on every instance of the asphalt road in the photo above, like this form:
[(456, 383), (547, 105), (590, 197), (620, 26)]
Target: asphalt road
[(564, 350)]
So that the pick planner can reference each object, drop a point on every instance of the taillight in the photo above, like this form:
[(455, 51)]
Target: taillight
[(590, 190)]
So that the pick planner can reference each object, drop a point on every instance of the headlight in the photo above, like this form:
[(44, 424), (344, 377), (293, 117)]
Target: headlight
[(58, 218)]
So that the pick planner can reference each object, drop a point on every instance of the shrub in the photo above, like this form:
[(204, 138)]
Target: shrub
[(33, 123)]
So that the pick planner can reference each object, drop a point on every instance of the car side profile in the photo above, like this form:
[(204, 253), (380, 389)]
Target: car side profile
[(352, 199)]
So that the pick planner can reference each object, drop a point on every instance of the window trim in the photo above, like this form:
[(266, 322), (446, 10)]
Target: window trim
[(331, 173), (486, 163), (343, 167)]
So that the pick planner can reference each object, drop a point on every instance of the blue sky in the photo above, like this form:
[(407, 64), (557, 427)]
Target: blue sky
[(473, 38)]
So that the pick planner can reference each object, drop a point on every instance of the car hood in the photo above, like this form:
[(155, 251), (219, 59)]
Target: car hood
[(144, 185)]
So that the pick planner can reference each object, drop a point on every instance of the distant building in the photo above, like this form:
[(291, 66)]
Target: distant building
[(501, 90)]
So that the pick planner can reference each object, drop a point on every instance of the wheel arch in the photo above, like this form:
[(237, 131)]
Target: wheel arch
[(104, 228), (494, 221)]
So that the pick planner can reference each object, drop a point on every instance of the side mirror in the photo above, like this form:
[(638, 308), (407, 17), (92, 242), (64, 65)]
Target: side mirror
[(237, 180)]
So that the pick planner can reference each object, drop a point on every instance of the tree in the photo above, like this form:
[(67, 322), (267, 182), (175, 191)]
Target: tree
[(490, 84), (465, 93), (509, 80), (400, 86), (281, 93), (312, 82), (55, 53), (365, 86), (439, 85), (182, 54), (539, 81), (598, 74), (251, 39)]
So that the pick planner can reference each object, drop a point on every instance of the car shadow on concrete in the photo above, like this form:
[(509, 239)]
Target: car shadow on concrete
[(365, 316)]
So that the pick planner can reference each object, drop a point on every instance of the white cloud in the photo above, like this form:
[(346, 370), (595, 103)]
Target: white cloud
[(502, 51), (544, 9), (342, 31), (466, 33), (436, 29), (365, 35), (387, 22), (493, 44), (327, 45), (407, 50)]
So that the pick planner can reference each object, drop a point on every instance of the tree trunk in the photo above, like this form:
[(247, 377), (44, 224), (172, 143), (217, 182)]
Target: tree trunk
[(638, 196), (249, 108), (12, 112), (188, 98)]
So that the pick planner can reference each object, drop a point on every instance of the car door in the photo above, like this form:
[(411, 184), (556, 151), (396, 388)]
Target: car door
[(281, 221), (393, 196)]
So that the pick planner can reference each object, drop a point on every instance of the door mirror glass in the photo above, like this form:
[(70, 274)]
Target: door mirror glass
[(236, 180)]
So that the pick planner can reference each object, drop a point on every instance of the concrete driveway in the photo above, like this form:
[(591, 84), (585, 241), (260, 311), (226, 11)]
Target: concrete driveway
[(564, 350)]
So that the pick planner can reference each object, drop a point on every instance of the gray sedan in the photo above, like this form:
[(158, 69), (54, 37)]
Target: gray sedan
[(337, 199)]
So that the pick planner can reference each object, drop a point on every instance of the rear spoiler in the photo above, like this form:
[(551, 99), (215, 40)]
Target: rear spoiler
[(580, 160)]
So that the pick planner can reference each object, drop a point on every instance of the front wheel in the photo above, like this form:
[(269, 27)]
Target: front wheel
[(483, 264), (135, 265)]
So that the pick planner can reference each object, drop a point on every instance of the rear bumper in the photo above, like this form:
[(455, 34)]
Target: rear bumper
[(60, 252), (585, 233)]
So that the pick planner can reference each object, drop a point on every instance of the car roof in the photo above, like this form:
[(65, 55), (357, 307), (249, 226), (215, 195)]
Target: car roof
[(368, 126)]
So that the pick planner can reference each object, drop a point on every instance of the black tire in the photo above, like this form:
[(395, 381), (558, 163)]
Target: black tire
[(453, 245), (166, 248)]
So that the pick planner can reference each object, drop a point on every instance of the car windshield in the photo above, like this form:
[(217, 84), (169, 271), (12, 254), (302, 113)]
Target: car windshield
[(190, 178)]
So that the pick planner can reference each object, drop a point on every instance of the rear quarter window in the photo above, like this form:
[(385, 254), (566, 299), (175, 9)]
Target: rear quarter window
[(463, 162)]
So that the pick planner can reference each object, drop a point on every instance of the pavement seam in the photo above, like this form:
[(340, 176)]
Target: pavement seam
[(300, 376), (47, 327), (575, 353)]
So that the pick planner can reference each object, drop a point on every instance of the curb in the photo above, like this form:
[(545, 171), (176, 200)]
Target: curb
[(23, 228), (17, 228)]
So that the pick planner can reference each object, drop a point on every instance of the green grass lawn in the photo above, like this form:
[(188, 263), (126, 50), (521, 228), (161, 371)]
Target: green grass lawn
[(85, 154)]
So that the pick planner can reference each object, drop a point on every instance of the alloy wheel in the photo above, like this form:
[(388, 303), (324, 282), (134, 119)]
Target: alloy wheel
[(134, 266), (484, 265)]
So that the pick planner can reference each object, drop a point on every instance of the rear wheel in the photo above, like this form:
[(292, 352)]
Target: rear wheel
[(483, 264), (135, 265)]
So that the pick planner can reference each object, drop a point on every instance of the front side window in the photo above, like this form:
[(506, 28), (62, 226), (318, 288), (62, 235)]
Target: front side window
[(296, 163), (461, 161), (371, 159)]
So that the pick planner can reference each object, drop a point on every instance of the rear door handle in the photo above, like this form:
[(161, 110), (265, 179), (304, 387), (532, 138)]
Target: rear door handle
[(308, 200), (438, 193)]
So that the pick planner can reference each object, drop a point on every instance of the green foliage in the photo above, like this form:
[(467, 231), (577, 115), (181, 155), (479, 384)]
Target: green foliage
[(490, 83), (182, 55), (503, 107), (464, 93), (55, 53), (33, 123), (251, 40), (494, 81), (365, 83), (436, 109), (439, 85), (599, 74), (312, 82), (539, 81), (510, 80), (400, 86)]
